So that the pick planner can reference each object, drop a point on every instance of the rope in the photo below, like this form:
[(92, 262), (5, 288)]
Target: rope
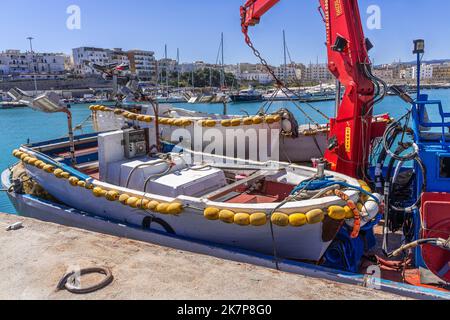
[(68, 281)]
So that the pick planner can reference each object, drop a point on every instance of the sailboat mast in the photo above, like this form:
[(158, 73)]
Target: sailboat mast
[(222, 71), (285, 56), (178, 68), (167, 71)]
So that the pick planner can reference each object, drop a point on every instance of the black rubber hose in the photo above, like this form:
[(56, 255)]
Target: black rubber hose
[(406, 146), (379, 179), (64, 282), (146, 224), (391, 183)]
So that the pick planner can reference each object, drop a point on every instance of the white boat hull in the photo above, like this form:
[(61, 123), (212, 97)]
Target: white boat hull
[(293, 243)]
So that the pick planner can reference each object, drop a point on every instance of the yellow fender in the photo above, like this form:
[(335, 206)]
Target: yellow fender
[(236, 122), (112, 195), (133, 202), (248, 121), (124, 198), (74, 181), (242, 219), (210, 123), (336, 213), (258, 120), (152, 205), (348, 213), (162, 208), (98, 192), (58, 173), (175, 208), (298, 219), (315, 216), (258, 219), (211, 213), (280, 219), (226, 123), (226, 216)]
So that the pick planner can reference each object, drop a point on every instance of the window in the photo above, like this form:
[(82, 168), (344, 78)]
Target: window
[(444, 167)]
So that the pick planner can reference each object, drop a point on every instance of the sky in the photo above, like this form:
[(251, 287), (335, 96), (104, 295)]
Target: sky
[(194, 26)]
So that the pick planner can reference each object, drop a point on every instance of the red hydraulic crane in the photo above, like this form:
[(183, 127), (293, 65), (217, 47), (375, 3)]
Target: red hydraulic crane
[(351, 131)]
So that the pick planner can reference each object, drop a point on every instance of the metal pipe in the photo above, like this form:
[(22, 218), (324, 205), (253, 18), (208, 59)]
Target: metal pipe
[(71, 135)]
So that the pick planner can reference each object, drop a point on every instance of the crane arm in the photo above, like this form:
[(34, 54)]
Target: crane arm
[(253, 10), (351, 130)]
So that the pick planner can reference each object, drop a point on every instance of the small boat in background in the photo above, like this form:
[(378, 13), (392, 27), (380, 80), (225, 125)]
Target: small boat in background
[(171, 99), (11, 105), (248, 95)]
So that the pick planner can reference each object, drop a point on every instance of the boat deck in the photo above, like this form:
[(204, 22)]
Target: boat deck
[(37, 256)]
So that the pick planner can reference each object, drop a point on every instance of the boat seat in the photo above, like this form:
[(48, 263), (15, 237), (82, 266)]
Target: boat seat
[(251, 198)]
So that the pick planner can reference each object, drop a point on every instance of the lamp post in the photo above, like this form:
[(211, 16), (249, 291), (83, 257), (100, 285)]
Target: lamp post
[(419, 50), (33, 57)]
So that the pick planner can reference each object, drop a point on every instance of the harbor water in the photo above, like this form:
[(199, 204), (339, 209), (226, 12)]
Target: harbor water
[(22, 125)]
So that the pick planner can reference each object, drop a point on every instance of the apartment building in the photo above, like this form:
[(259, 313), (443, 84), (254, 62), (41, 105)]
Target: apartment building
[(143, 64), (84, 55), (441, 72), (15, 63), (291, 72), (318, 72)]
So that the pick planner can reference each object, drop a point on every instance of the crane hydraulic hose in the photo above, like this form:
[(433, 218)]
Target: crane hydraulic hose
[(396, 155), (438, 242)]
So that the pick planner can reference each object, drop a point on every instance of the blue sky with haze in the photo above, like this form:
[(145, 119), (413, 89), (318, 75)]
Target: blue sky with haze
[(194, 26)]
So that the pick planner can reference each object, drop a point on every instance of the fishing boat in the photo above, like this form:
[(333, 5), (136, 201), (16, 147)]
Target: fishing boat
[(277, 136), (192, 195)]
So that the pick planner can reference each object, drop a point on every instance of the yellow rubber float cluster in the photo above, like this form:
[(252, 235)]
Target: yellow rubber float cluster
[(270, 119), (173, 208), (184, 122), (277, 218), (176, 122), (100, 108)]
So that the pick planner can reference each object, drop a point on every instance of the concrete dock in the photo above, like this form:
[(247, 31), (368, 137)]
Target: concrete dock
[(34, 258)]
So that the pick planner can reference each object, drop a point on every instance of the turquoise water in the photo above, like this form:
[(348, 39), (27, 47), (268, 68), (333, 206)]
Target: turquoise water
[(22, 125)]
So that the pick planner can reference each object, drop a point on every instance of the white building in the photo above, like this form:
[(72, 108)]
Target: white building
[(14, 63), (143, 64), (88, 54), (426, 71), (117, 55), (407, 74), (260, 77), (290, 72), (318, 72), (384, 73)]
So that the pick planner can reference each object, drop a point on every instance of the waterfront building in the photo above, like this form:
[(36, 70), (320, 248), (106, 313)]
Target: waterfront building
[(385, 73), (318, 72), (291, 72), (15, 63), (441, 72), (259, 77), (143, 64), (426, 71), (84, 55)]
